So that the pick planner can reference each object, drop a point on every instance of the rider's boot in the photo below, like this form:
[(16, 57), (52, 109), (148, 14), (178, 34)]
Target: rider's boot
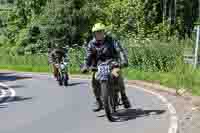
[(55, 72), (126, 102), (99, 105)]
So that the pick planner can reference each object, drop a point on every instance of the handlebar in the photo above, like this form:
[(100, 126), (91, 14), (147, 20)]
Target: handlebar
[(114, 64)]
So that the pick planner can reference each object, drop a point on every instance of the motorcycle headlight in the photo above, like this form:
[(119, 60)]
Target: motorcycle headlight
[(62, 66), (65, 63)]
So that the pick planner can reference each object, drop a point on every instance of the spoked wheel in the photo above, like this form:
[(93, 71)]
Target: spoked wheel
[(116, 102), (60, 79), (66, 79), (108, 100)]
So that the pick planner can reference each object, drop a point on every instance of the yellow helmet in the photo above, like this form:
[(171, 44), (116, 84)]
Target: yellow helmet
[(98, 27)]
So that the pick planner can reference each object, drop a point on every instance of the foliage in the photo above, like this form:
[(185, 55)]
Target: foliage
[(34, 25)]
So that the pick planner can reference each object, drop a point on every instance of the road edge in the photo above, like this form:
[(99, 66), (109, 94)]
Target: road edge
[(173, 115)]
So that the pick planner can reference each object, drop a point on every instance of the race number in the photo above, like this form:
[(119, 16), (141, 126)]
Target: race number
[(104, 69)]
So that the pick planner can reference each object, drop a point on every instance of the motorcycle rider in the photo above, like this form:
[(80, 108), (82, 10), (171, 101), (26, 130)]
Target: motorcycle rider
[(55, 55), (103, 47)]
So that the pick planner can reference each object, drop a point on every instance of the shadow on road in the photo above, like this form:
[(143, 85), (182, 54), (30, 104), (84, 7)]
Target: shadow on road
[(2, 106), (16, 86), (74, 84), (135, 113), (19, 99), (11, 77), (131, 114), (15, 99), (5, 73)]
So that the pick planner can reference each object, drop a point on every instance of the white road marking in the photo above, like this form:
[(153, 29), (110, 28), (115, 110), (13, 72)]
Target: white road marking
[(3, 93), (10, 90), (173, 116)]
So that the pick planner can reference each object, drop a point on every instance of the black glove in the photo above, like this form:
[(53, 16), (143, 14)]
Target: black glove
[(84, 69), (124, 64), (94, 69)]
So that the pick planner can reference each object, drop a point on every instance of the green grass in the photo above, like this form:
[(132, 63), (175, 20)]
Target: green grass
[(168, 79), (36, 63), (24, 63), (182, 76)]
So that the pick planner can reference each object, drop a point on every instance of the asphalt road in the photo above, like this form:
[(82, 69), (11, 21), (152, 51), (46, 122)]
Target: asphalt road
[(42, 106)]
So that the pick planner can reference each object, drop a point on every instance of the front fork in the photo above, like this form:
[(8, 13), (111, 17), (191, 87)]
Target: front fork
[(113, 79), (115, 75)]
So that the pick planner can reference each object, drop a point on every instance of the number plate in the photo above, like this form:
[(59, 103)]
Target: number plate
[(104, 69)]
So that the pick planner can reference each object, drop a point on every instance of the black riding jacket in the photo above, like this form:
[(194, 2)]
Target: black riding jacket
[(109, 49)]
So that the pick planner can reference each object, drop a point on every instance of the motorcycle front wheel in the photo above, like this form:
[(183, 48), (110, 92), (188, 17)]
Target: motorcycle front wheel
[(66, 79), (60, 79), (108, 100)]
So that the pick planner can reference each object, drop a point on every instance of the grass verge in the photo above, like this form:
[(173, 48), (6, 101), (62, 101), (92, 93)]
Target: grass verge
[(183, 76), (170, 79)]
